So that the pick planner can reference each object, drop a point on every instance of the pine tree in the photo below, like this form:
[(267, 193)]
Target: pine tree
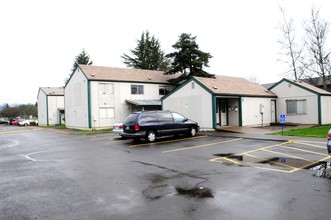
[(82, 58), (147, 54), (188, 59)]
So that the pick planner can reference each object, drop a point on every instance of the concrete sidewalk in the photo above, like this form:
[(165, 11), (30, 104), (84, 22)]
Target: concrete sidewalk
[(262, 133)]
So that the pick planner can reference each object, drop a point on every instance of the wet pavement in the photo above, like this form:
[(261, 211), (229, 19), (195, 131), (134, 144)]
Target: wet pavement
[(51, 175)]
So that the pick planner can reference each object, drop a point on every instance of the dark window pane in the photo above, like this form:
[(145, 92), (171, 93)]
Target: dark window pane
[(165, 117)]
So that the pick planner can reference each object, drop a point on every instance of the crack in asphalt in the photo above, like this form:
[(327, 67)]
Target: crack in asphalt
[(204, 179)]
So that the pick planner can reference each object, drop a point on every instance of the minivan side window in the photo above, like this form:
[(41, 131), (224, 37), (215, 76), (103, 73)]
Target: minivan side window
[(178, 117), (131, 118), (148, 118), (165, 117)]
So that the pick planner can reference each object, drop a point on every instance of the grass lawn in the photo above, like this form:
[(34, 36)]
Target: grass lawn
[(63, 127), (315, 131)]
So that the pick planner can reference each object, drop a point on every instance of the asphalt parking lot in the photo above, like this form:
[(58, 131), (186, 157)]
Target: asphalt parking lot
[(51, 174)]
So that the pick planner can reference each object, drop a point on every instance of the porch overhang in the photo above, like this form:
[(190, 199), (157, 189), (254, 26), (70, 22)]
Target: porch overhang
[(144, 102)]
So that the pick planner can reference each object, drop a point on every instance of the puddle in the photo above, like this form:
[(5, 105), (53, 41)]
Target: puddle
[(197, 192), (323, 170), (272, 161)]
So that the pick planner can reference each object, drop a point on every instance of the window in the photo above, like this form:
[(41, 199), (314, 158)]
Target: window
[(148, 118), (137, 89), (106, 113), (178, 117), (164, 90), (106, 88), (165, 117), (296, 106)]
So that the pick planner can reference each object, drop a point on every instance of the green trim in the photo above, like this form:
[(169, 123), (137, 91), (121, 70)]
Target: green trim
[(184, 84), (240, 111), (319, 109), (213, 101), (47, 111), (125, 81), (89, 104)]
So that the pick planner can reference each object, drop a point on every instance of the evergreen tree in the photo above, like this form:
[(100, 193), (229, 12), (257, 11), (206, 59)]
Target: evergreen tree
[(188, 59), (147, 54), (82, 58)]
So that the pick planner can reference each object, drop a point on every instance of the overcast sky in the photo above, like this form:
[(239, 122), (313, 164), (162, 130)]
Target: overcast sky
[(39, 39)]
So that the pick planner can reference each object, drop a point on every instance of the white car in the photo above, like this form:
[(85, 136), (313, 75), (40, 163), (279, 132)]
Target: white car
[(118, 128), (24, 122)]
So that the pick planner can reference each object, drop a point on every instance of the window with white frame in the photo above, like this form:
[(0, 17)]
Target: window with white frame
[(296, 106), (106, 113), (137, 89)]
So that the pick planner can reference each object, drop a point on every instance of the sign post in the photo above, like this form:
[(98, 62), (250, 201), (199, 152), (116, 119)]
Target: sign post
[(282, 120)]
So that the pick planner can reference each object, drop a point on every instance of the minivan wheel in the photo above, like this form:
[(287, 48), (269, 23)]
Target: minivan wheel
[(151, 136), (192, 131)]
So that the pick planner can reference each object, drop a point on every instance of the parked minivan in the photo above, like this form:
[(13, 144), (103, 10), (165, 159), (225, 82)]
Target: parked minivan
[(153, 124)]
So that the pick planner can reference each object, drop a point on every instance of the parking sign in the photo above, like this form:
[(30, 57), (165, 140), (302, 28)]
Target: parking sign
[(282, 118)]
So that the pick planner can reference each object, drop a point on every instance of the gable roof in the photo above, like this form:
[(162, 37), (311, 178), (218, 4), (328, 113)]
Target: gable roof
[(53, 91), (100, 73), (303, 85), (227, 85)]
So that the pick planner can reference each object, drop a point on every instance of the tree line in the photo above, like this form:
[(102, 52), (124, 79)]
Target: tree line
[(22, 111)]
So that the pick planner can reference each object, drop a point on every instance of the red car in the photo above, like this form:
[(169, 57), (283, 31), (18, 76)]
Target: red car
[(14, 121)]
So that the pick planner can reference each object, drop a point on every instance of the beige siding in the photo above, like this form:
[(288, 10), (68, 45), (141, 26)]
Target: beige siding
[(326, 109), (193, 102), (286, 91), (114, 104), (42, 109), (76, 102), (54, 103), (251, 111)]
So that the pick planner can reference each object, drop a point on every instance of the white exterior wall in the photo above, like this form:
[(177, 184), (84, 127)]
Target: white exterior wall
[(251, 111), (42, 109), (287, 91), (326, 109), (194, 103), (76, 102), (54, 103), (115, 102)]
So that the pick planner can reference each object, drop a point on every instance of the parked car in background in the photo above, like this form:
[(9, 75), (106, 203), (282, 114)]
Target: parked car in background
[(153, 124), (118, 128), (26, 122), (4, 121), (329, 142), (14, 121)]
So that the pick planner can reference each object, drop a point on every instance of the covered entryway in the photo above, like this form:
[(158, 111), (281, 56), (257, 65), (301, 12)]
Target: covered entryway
[(143, 105), (227, 111)]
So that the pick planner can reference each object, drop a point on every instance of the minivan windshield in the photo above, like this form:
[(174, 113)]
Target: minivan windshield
[(131, 118)]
